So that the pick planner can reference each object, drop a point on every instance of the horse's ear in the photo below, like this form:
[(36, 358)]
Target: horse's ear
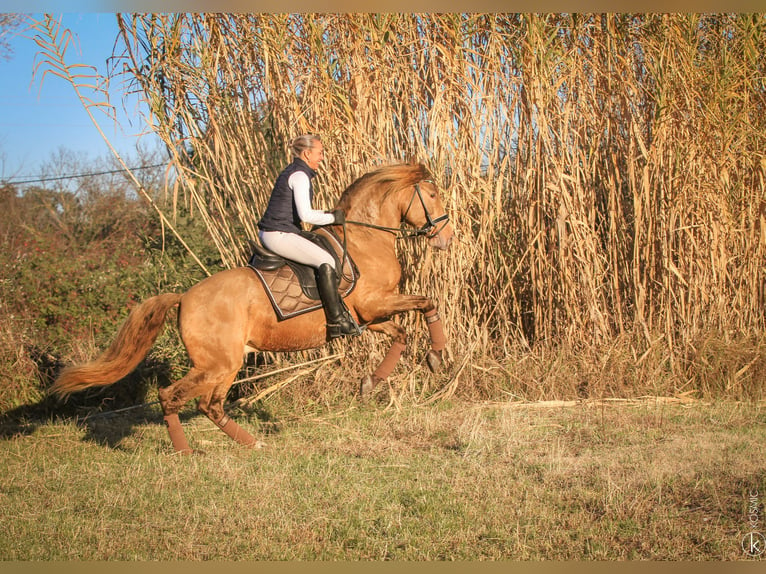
[(423, 172), (415, 172)]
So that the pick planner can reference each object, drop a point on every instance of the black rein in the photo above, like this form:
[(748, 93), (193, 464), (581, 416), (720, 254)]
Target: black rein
[(404, 233)]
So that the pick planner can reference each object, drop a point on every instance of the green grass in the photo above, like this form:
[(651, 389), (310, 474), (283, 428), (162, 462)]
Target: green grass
[(459, 481)]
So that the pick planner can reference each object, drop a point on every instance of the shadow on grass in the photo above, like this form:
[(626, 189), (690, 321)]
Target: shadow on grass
[(93, 409), (107, 414)]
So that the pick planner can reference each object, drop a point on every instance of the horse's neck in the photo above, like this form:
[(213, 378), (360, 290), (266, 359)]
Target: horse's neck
[(386, 214)]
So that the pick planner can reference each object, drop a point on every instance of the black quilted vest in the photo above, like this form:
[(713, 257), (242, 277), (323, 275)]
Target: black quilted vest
[(281, 214)]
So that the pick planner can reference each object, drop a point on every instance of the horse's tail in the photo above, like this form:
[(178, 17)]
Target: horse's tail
[(130, 346)]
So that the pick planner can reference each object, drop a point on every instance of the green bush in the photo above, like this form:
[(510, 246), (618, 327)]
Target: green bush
[(71, 271)]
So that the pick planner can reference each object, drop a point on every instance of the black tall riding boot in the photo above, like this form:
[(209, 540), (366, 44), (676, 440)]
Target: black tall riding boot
[(339, 321)]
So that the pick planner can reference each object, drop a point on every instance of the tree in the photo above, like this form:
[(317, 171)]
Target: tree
[(8, 24)]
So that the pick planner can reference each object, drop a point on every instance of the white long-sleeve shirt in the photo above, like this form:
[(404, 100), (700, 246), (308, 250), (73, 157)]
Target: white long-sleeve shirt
[(299, 183)]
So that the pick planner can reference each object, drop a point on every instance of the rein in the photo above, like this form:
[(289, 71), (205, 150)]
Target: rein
[(402, 232), (429, 228)]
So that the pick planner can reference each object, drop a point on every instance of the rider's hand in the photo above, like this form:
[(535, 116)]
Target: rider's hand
[(340, 217)]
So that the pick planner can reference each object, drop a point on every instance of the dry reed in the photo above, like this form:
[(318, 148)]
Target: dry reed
[(605, 173)]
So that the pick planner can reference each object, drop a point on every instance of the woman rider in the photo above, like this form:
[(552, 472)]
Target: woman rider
[(279, 228)]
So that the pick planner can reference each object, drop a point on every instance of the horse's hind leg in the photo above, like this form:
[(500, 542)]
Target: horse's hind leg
[(211, 390), (175, 396), (211, 405)]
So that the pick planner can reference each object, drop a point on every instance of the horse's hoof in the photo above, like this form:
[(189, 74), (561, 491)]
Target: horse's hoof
[(366, 386), (434, 360)]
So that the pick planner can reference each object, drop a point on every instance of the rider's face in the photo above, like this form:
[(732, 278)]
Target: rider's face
[(314, 155)]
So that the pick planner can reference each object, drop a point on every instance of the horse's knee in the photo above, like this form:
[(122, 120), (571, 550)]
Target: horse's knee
[(401, 338)]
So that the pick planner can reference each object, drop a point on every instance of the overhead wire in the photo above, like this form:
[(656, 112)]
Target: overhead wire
[(25, 179)]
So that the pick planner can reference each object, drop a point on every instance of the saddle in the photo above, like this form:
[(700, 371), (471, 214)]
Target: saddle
[(291, 286)]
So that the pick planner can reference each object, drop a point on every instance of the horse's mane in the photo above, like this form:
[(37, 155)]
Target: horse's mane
[(384, 181)]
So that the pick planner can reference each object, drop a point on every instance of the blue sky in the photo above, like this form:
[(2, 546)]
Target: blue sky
[(38, 118)]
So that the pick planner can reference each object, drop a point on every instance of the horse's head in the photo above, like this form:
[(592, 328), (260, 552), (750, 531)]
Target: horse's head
[(368, 203), (426, 212)]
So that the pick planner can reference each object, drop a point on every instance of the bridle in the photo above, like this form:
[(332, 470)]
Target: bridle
[(428, 229)]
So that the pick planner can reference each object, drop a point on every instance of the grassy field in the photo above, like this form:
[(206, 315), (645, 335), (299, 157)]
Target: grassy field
[(643, 479), (604, 249)]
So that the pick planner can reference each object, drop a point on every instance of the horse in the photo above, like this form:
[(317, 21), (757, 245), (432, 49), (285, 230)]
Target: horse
[(228, 314)]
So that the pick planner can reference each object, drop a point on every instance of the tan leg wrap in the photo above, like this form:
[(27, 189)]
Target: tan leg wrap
[(389, 362), (235, 431), (436, 330), (176, 433)]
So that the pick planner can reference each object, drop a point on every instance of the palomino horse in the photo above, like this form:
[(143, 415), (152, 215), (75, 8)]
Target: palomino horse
[(228, 314)]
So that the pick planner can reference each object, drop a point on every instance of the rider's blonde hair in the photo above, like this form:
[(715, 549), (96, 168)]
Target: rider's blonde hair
[(302, 143)]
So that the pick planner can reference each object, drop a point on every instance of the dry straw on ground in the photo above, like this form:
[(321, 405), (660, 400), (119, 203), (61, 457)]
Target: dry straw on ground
[(605, 173)]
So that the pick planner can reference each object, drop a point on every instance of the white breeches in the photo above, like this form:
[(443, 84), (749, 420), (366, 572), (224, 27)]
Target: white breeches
[(296, 248)]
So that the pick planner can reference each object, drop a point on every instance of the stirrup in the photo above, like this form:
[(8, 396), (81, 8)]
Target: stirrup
[(335, 330)]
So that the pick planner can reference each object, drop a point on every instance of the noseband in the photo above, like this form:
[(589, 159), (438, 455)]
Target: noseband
[(429, 228)]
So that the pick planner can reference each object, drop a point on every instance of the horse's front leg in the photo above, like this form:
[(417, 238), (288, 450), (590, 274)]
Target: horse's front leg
[(438, 340), (387, 365), (395, 304)]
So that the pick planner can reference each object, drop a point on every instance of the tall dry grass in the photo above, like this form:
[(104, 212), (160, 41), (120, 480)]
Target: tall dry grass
[(605, 173)]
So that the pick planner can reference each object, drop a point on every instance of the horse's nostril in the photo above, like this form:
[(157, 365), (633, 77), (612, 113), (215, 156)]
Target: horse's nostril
[(442, 243)]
